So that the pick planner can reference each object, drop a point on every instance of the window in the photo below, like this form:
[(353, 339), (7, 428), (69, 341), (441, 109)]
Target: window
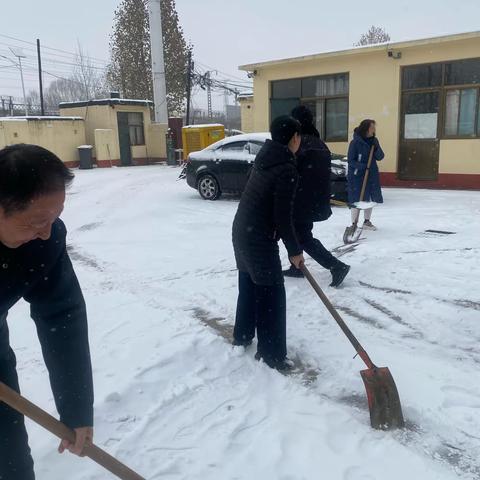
[(326, 86), (280, 106), (336, 119), (462, 112), (135, 129), (255, 147), (457, 85), (421, 115), (233, 147), (478, 119), (422, 76), (287, 89), (463, 72), (326, 96)]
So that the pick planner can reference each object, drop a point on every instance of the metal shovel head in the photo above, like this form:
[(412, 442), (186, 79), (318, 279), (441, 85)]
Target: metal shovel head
[(383, 399), (351, 235)]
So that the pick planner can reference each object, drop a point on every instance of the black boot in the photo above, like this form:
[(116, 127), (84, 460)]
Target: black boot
[(293, 272), (339, 272), (281, 365), (241, 343)]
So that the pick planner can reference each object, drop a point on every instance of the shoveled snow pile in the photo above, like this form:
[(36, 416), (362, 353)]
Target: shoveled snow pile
[(175, 401)]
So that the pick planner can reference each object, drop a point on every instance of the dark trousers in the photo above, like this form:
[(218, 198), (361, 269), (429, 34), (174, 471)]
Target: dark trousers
[(314, 246), (263, 308), (16, 463)]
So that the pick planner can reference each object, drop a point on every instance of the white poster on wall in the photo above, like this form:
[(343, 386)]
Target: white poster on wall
[(421, 125)]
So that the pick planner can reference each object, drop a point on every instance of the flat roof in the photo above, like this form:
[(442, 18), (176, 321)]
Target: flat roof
[(34, 118), (107, 101), (364, 49)]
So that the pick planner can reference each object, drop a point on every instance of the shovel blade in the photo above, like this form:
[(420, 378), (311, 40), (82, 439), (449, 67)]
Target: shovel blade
[(383, 399), (351, 235)]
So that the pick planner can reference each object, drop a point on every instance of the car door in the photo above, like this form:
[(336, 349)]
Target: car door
[(232, 163), (251, 150)]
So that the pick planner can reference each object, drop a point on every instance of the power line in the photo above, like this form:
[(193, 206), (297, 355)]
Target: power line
[(49, 48), (219, 71)]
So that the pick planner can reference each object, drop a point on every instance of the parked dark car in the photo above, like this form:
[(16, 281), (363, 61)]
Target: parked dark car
[(224, 166)]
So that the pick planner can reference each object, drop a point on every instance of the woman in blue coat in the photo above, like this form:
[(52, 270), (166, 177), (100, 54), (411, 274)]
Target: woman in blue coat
[(358, 152)]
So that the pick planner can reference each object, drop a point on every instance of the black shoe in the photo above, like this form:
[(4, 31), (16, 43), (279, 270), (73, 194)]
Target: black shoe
[(339, 272), (281, 365), (293, 272), (241, 343)]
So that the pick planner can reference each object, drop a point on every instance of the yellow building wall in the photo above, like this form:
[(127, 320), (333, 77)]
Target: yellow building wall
[(96, 116), (460, 156), (101, 117), (107, 149), (156, 140), (62, 137), (375, 93), (247, 115)]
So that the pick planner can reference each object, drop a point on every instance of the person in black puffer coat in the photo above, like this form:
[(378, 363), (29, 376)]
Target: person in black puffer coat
[(35, 266), (312, 202), (264, 216)]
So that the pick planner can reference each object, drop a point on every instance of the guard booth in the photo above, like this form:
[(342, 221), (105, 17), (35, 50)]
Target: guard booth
[(198, 137), (120, 130)]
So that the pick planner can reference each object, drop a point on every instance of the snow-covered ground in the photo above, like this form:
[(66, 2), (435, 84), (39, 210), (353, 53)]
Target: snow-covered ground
[(175, 401)]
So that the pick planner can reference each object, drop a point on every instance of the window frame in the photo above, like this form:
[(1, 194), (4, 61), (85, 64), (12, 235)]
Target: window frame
[(443, 88), (476, 127), (136, 125), (324, 99)]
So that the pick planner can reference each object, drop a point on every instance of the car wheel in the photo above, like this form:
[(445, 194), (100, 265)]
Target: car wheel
[(208, 187)]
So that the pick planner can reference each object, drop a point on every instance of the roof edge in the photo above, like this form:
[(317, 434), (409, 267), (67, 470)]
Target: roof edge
[(364, 49), (105, 101)]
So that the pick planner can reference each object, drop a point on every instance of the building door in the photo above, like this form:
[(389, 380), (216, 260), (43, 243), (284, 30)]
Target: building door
[(419, 137), (124, 139)]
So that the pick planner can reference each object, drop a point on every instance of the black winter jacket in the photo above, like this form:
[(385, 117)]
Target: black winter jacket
[(42, 274), (312, 202), (265, 215)]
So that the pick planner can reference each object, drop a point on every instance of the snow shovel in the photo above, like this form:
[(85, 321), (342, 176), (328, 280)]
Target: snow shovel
[(42, 418), (351, 235), (382, 394)]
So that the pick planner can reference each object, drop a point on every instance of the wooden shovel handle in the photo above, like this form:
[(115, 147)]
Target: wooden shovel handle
[(42, 418), (341, 323), (367, 172)]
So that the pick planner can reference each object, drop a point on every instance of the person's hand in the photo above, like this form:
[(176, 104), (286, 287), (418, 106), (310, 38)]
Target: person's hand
[(83, 436), (297, 261)]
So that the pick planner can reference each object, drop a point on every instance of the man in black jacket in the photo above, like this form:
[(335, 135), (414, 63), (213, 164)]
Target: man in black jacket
[(312, 202), (34, 265), (264, 216)]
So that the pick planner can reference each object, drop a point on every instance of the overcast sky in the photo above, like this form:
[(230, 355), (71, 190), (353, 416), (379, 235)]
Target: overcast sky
[(225, 33)]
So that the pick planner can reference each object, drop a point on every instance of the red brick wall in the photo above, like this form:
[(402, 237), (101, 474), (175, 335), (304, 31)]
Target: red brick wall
[(445, 181)]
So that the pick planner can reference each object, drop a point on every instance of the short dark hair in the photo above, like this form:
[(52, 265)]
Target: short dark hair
[(27, 172), (307, 121), (283, 129), (364, 126)]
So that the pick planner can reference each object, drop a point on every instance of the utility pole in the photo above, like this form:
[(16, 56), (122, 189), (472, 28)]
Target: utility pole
[(40, 81), (209, 94), (189, 85), (225, 100), (158, 64), (18, 52)]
